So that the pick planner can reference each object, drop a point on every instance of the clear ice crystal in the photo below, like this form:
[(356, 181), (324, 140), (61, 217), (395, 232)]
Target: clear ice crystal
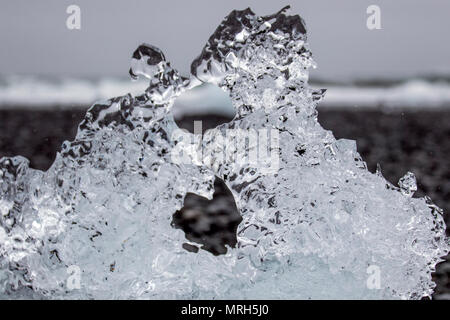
[(408, 184), (312, 229)]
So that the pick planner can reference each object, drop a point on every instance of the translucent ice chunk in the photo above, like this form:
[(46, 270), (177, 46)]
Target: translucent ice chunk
[(316, 223), (408, 184)]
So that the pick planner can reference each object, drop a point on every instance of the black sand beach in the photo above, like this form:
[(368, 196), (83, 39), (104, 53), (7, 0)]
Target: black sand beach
[(416, 141)]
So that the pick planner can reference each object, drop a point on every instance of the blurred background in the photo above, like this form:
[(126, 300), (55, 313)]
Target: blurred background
[(388, 88)]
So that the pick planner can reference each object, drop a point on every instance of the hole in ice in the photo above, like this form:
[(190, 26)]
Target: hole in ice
[(207, 103), (210, 223)]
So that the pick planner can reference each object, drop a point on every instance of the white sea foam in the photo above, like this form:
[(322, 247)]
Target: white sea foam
[(418, 94), (43, 93)]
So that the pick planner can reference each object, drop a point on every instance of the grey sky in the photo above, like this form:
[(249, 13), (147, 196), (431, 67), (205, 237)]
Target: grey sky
[(34, 38)]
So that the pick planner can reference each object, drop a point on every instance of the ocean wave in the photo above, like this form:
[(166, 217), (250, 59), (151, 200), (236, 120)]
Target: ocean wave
[(46, 93)]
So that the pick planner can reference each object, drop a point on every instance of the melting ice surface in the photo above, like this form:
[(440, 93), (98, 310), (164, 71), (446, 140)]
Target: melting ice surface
[(312, 229)]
